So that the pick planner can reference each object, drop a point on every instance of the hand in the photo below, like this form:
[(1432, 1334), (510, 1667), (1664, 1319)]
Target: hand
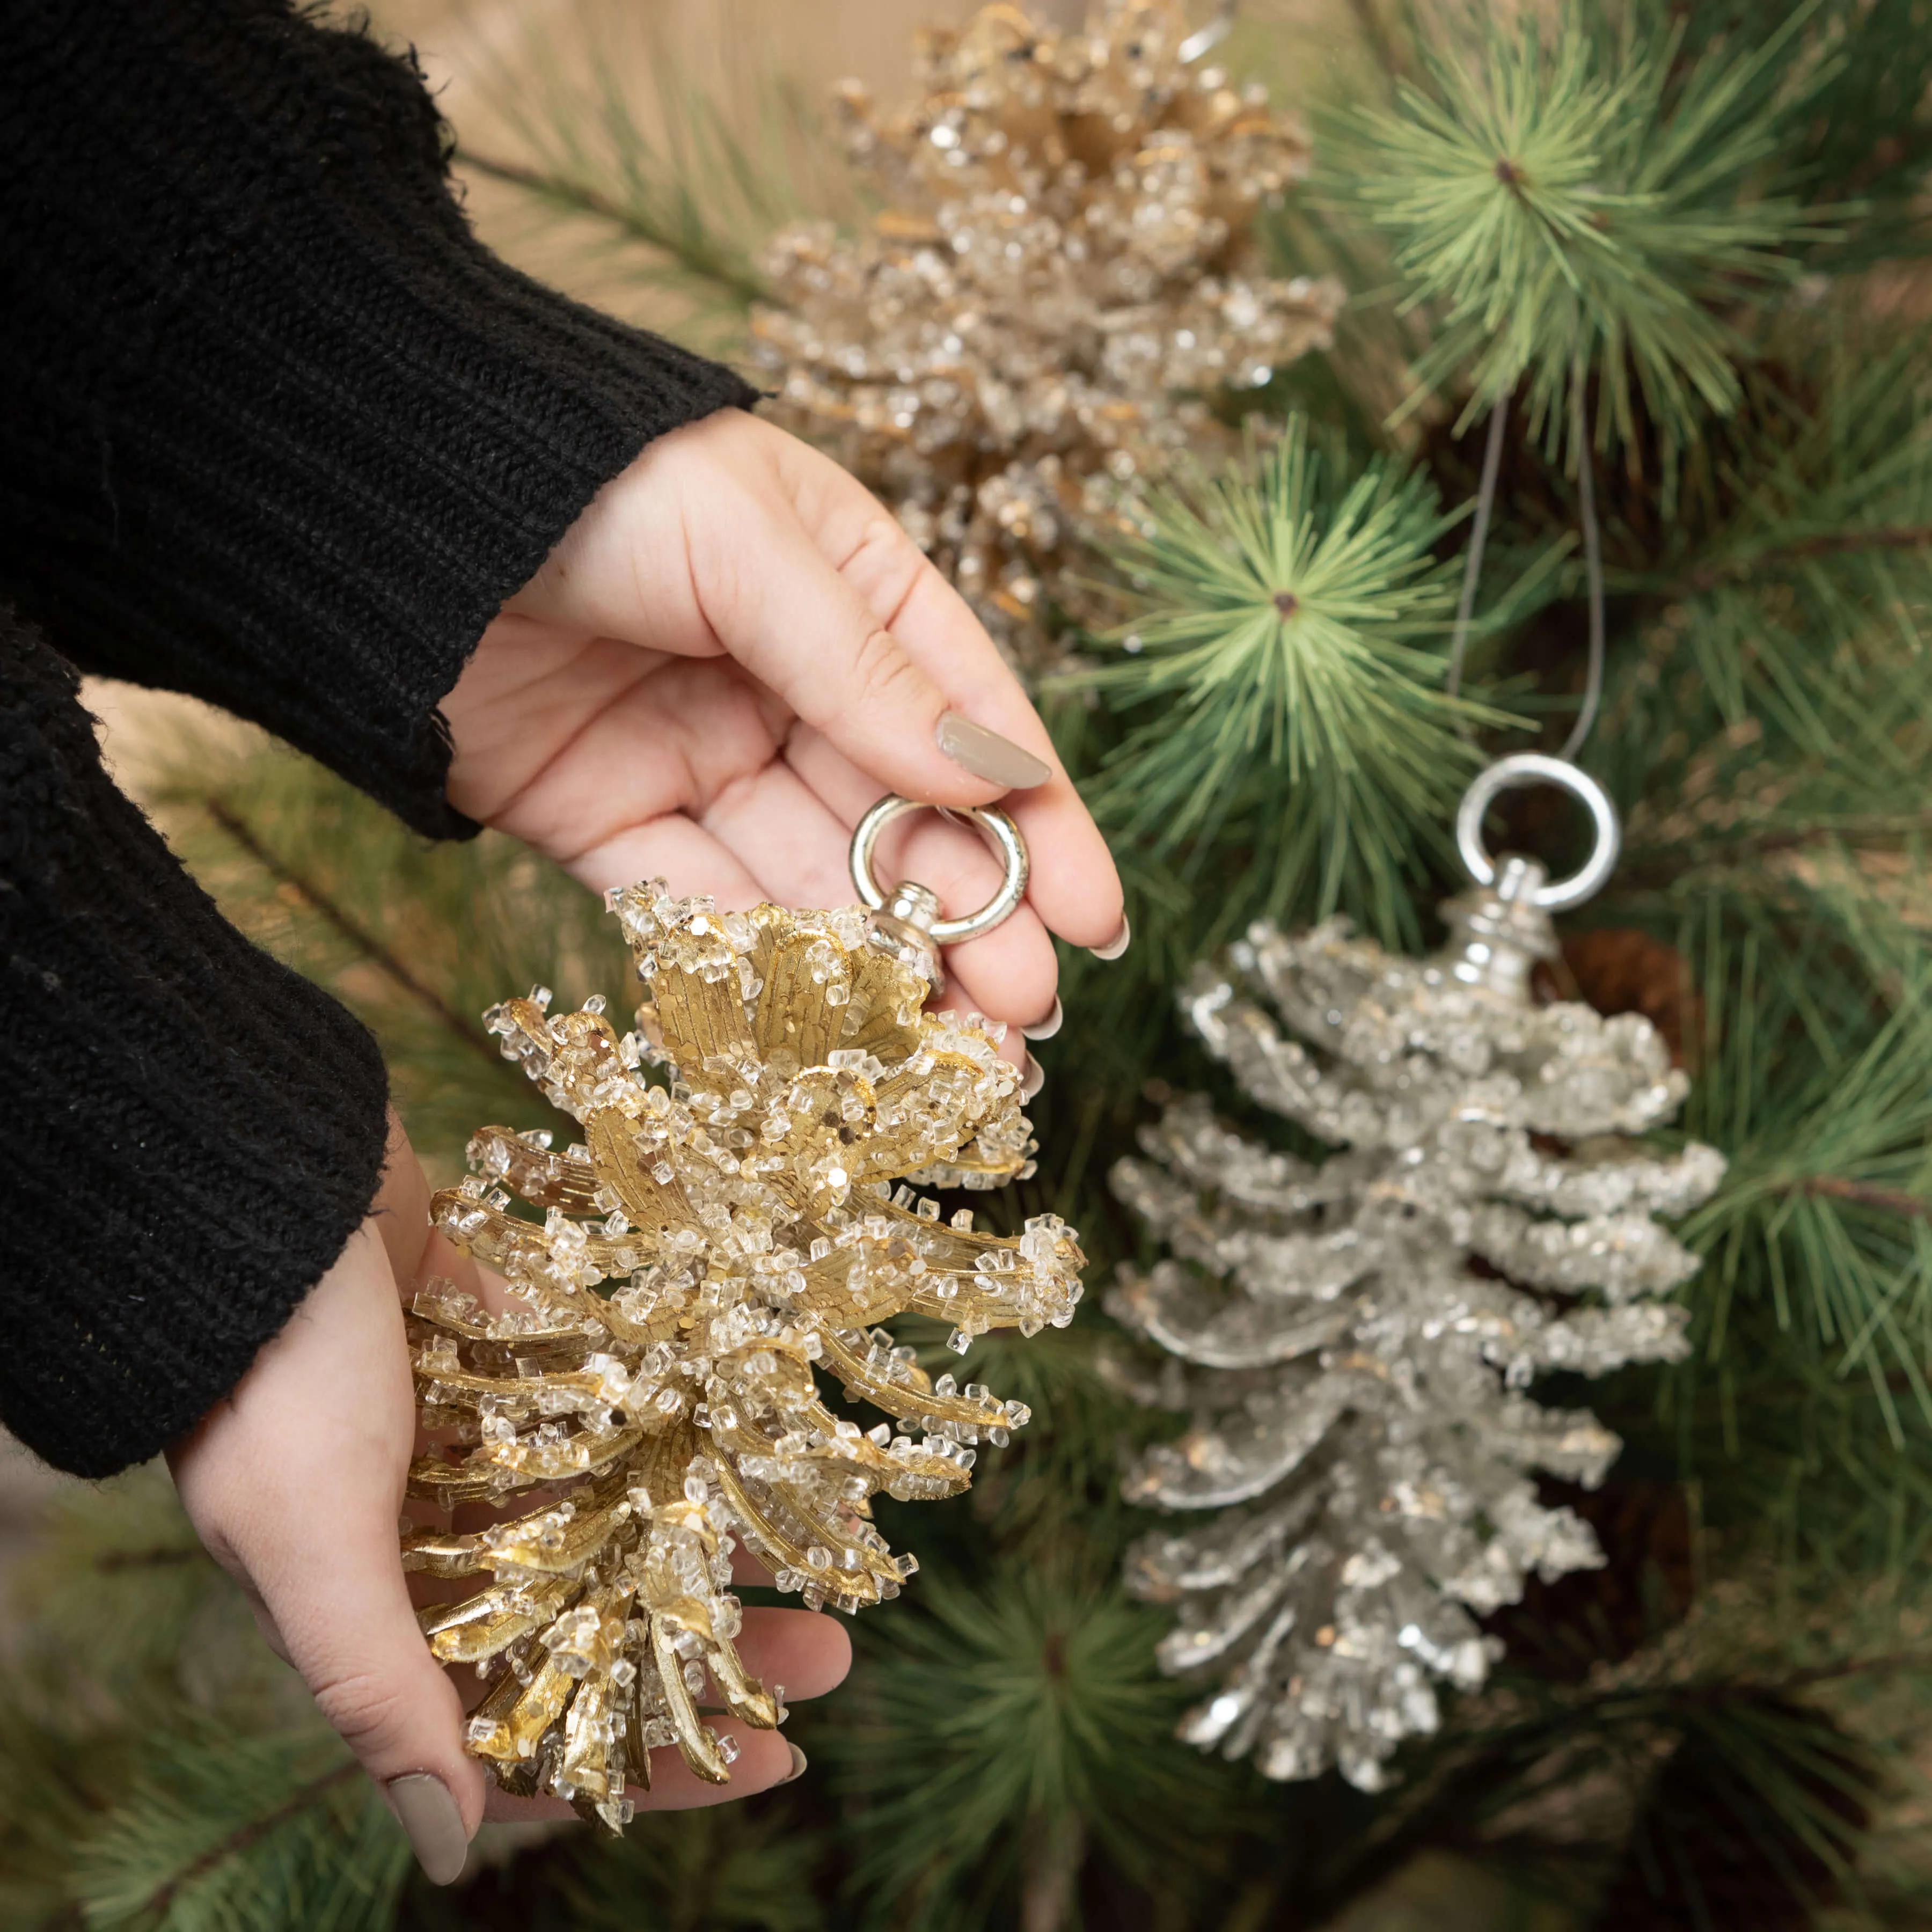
[(732, 655), (294, 1482)]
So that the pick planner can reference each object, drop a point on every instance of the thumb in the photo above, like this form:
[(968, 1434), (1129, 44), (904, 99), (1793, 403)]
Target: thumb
[(799, 626), (294, 1481), (343, 1609)]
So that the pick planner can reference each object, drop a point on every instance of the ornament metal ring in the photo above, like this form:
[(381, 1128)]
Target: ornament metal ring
[(1001, 833), (1530, 768)]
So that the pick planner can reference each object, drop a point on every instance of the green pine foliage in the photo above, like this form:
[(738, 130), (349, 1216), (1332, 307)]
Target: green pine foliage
[(217, 1832), (1282, 660), (958, 1806), (1698, 231), (1591, 205), (164, 1773), (680, 190)]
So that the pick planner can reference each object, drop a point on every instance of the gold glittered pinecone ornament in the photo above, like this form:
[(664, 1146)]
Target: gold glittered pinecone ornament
[(1065, 282), (1355, 1338), (711, 1248)]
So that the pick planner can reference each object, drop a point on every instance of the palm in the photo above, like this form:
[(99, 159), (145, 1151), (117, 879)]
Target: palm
[(720, 670)]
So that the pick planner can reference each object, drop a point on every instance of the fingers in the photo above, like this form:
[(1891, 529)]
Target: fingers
[(667, 739), (764, 1759), (346, 1618), (675, 849), (696, 550), (786, 614), (1008, 973), (809, 604), (798, 846), (1074, 890), (807, 1651), (731, 582)]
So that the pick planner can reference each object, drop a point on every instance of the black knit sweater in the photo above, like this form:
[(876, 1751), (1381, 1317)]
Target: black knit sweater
[(277, 430)]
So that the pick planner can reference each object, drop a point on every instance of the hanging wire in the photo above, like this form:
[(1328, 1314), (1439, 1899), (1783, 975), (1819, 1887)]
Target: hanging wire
[(1593, 572), (1593, 561), (1472, 572)]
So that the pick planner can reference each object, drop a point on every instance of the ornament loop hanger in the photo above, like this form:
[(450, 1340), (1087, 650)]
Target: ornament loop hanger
[(918, 905), (1530, 768)]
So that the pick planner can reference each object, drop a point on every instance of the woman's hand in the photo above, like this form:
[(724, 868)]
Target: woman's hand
[(294, 1484), (734, 652)]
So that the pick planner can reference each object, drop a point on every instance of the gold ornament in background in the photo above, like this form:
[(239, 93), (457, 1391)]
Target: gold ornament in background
[(1065, 281), (706, 1247)]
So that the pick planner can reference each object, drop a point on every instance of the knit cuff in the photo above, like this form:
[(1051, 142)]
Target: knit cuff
[(282, 433), (200, 1130)]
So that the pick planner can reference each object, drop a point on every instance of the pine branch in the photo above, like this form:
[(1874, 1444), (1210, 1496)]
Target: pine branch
[(1281, 670), (1834, 543), (1587, 207), (239, 1840), (1912, 1663), (703, 258), (225, 1832), (367, 943), (1862, 1194), (1030, 1698)]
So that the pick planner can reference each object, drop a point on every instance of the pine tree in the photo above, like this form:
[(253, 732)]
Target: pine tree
[(1637, 291)]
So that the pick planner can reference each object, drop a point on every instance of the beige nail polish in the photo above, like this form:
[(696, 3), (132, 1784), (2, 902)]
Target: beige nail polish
[(1032, 1077), (433, 1825), (1115, 947), (989, 756), (798, 1762), (1046, 1028)]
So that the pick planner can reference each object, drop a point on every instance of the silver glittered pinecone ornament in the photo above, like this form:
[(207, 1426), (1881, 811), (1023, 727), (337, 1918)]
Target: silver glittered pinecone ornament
[(1355, 1339)]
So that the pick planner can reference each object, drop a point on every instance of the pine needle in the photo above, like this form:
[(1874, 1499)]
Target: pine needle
[(1287, 624), (1001, 1723), (237, 1834), (1580, 205)]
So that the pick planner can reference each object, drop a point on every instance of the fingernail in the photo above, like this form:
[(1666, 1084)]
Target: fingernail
[(798, 1763), (1046, 1028), (989, 756), (433, 1825), (1115, 947), (1032, 1077)]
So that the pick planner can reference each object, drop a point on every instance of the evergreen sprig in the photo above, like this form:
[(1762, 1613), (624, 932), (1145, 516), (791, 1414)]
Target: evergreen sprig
[(1826, 1213), (683, 187), (1583, 204), (1286, 630), (228, 1834), (729, 1868), (977, 1808)]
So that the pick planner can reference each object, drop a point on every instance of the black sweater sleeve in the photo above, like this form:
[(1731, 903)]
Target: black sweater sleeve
[(276, 429), (194, 1129)]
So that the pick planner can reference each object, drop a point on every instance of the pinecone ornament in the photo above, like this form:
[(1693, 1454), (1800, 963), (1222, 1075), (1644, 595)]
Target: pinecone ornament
[(711, 1248), (1065, 281), (1355, 1338)]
